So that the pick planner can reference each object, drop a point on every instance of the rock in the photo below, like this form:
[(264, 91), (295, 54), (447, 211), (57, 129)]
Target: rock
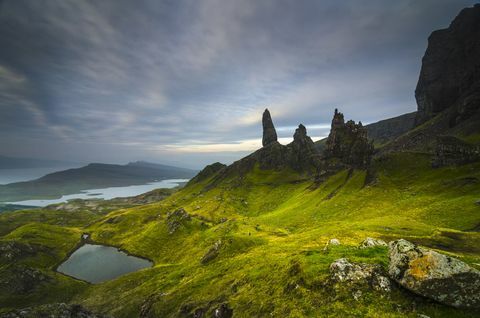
[(212, 253), (269, 132), (348, 142), (223, 311), (360, 275), (334, 241), (450, 71), (453, 151), (434, 275), (176, 218), (370, 242), (59, 310)]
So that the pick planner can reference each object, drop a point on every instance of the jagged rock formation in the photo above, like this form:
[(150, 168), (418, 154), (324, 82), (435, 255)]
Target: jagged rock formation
[(434, 275), (269, 132), (450, 71), (453, 151), (348, 142)]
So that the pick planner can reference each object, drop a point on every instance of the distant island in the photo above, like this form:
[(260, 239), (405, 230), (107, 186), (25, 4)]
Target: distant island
[(92, 176)]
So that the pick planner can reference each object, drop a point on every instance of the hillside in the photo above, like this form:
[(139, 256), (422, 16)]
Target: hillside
[(92, 176)]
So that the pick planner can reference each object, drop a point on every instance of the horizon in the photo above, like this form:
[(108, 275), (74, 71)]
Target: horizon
[(185, 83)]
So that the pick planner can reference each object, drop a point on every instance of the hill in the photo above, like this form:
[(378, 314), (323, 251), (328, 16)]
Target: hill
[(92, 176)]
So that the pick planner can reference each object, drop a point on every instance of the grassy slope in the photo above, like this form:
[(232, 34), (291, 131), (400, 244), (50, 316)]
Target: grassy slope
[(276, 221)]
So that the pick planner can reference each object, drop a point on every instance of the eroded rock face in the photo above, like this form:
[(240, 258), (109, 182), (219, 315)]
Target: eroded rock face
[(60, 310), (453, 151), (348, 142), (269, 132), (434, 275), (360, 275), (371, 242), (450, 67)]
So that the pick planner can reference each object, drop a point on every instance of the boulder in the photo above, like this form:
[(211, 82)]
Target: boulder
[(360, 275), (434, 275), (212, 253), (371, 242), (334, 241)]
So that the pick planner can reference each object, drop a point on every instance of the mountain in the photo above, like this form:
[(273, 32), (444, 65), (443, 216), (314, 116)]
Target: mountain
[(92, 176), (22, 163), (287, 231)]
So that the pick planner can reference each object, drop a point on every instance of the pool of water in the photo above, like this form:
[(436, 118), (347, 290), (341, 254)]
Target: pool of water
[(98, 263)]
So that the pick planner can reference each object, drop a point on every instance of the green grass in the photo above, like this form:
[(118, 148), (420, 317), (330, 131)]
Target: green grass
[(268, 223)]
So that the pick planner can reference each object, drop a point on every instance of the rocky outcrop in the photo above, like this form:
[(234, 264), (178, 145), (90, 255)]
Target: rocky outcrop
[(22, 279), (450, 71), (434, 275), (348, 142), (176, 219), (371, 242), (453, 151), (59, 310), (303, 155), (359, 276), (269, 132)]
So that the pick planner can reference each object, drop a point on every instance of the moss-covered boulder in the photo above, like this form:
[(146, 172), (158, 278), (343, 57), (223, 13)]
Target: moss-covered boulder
[(434, 275)]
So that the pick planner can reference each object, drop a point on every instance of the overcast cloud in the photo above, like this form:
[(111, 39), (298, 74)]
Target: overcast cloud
[(186, 81)]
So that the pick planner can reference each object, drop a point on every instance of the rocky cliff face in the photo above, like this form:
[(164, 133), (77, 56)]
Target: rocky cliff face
[(450, 71), (348, 142), (453, 151)]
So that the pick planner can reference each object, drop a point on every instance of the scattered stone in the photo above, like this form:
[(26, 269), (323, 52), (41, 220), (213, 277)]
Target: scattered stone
[(269, 132), (59, 310), (422, 316), (434, 275), (371, 275), (371, 242), (212, 253), (176, 218), (223, 311)]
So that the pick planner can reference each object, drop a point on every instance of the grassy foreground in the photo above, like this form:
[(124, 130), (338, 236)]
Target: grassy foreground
[(270, 229)]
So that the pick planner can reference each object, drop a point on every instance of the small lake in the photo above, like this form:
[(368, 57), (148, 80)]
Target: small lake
[(106, 193), (99, 263)]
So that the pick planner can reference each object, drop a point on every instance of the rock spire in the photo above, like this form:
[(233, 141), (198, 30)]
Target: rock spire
[(269, 133)]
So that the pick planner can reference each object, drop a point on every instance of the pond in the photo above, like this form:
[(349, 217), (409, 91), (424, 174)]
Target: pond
[(98, 263)]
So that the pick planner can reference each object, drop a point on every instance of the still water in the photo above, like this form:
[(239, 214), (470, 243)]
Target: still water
[(106, 193), (99, 263)]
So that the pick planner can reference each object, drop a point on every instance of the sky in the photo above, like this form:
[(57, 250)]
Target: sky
[(185, 82)]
